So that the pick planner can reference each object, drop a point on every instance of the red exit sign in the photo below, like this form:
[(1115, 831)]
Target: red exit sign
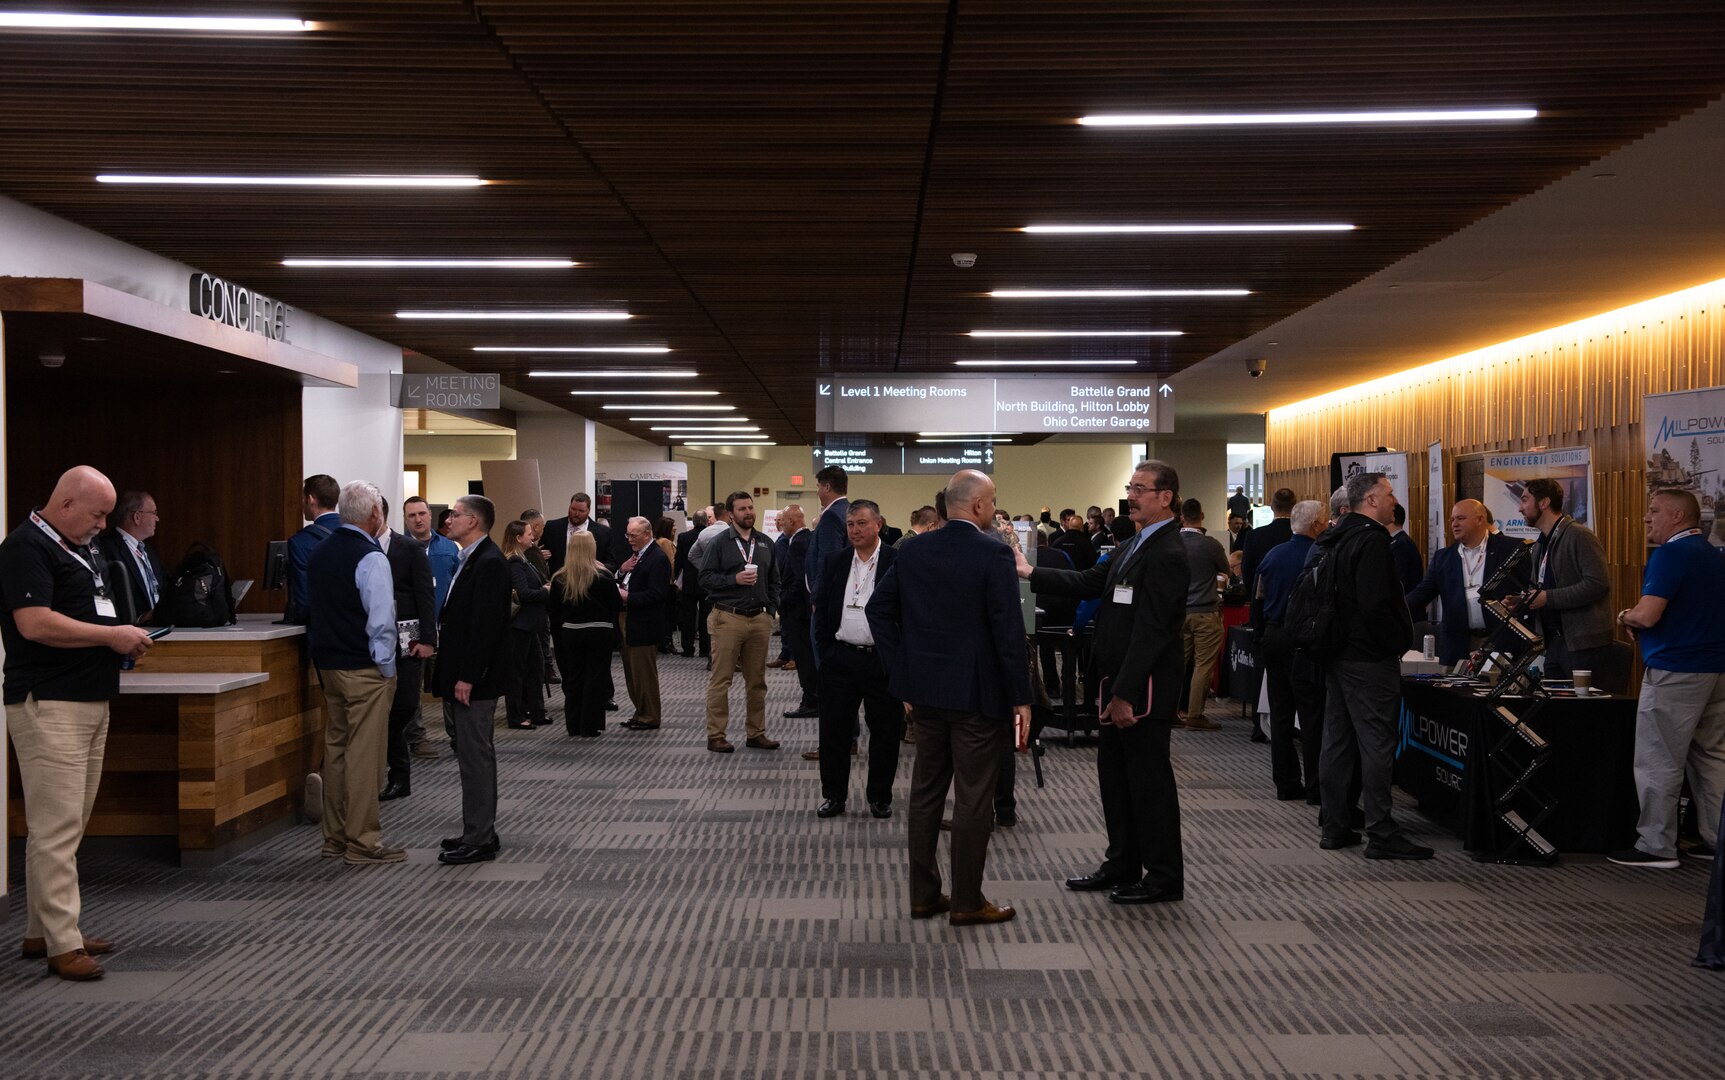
[(796, 481)]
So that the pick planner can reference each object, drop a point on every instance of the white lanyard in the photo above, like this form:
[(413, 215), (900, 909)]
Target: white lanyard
[(55, 536), (1473, 567), (864, 577), (1682, 535)]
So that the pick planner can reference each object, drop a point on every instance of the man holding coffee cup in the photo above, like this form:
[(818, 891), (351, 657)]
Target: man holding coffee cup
[(1680, 720), (738, 577)]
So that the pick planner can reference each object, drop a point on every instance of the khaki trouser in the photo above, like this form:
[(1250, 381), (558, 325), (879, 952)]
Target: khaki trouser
[(641, 677), (355, 740), (735, 636), (1679, 727), (60, 746), (1200, 639)]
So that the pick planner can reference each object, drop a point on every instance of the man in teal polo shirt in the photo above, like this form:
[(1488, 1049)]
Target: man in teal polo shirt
[(1680, 625)]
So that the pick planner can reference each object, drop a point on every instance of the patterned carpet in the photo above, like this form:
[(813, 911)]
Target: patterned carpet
[(659, 911)]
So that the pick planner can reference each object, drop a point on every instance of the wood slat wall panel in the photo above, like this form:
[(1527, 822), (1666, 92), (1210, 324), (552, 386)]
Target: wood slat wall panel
[(1572, 386)]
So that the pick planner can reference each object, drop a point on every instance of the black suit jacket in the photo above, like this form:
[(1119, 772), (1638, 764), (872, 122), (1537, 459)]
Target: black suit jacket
[(1410, 567), (473, 634), (830, 597), (890, 536), (1077, 546), (113, 548), (948, 623), (793, 593), (415, 590), (556, 541), (1259, 544), (688, 571), (649, 602), (1137, 646), (1446, 580)]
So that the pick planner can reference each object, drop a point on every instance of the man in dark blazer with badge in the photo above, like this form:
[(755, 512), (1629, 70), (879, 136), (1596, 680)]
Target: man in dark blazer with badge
[(1137, 663), (1458, 571), (415, 601), (473, 669)]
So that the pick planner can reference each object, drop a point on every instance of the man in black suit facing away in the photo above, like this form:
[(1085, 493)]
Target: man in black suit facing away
[(948, 622), (473, 669), (415, 599), (794, 608), (690, 626), (1138, 666), (1455, 577), (135, 520), (1264, 539), (644, 584), (851, 671)]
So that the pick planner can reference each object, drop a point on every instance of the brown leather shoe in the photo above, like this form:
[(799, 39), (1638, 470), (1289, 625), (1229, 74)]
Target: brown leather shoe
[(987, 913), (761, 742), (811, 755), (939, 907), (333, 849), (1201, 723), (36, 948), (790, 665), (777, 663), (75, 966), (720, 745)]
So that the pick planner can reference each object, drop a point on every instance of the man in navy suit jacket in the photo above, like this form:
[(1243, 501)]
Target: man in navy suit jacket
[(645, 586), (1138, 663), (134, 522), (1456, 574), (949, 625)]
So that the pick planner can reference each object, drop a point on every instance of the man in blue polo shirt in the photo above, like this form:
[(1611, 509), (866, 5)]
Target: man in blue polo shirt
[(1680, 625)]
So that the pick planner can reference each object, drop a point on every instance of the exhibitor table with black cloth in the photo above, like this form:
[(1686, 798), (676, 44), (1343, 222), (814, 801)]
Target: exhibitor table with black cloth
[(1447, 734)]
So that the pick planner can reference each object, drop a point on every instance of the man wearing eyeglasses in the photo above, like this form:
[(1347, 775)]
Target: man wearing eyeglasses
[(1138, 666), (127, 543)]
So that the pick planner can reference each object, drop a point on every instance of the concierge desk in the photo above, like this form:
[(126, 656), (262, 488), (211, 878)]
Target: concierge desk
[(209, 741)]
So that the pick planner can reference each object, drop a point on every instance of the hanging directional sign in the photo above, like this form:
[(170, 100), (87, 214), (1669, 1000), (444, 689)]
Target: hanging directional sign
[(1027, 404), (945, 458), (461, 391), (860, 458)]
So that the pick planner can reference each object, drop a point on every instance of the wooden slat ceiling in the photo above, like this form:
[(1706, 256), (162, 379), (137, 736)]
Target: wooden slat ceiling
[(775, 189)]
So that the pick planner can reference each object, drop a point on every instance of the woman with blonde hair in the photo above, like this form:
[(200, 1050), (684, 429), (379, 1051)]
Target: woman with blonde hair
[(584, 606)]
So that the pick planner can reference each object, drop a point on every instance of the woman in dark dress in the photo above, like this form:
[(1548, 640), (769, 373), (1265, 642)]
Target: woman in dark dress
[(525, 698), (584, 606)]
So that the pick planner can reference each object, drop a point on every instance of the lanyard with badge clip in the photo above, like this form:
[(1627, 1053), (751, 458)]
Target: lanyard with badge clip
[(864, 578), (104, 603), (1682, 535)]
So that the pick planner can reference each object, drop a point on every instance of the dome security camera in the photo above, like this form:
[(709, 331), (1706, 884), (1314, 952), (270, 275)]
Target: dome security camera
[(964, 260), (52, 355), (1255, 367)]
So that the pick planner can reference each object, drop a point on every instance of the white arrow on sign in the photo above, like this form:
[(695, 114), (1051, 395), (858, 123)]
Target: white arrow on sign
[(413, 391), (1165, 390), (824, 389), (817, 451)]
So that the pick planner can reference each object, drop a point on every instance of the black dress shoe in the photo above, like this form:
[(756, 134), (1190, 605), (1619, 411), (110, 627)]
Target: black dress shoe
[(802, 712), (463, 855), (1290, 794), (453, 842), (1337, 841), (1006, 820), (1097, 881), (610, 706), (393, 791), (1144, 893), (880, 809), (1399, 848), (526, 725), (830, 808), (1259, 736)]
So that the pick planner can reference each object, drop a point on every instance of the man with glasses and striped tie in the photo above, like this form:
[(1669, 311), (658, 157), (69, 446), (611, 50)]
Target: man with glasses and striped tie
[(127, 543)]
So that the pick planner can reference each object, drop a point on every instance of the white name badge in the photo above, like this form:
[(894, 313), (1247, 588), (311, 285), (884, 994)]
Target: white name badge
[(105, 608), (1122, 594)]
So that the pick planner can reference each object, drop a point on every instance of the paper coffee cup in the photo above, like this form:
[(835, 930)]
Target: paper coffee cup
[(1583, 681)]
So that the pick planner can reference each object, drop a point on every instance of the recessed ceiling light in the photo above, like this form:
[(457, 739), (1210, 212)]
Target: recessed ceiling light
[(519, 316), (945, 434), (707, 430), (300, 181), (54, 20), (612, 374), (1387, 116), (1045, 363), (1092, 230), (1107, 294), (661, 405), (435, 264), (705, 445), (739, 440), (1072, 333), (991, 439), (634, 349), (704, 419)]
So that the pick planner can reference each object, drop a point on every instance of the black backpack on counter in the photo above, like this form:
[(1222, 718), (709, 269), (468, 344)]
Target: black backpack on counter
[(196, 594)]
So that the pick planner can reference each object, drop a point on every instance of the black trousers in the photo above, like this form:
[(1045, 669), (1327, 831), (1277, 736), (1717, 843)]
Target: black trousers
[(403, 710), (1295, 685), (853, 678), (1140, 804), (585, 657), (692, 609), (961, 751), (1362, 700), (794, 629), (525, 696)]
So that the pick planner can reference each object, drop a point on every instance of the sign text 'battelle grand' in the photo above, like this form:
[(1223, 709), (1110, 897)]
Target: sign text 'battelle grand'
[(237, 306)]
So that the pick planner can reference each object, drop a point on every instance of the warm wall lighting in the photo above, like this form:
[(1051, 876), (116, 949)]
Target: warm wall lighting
[(1045, 363), (434, 264), (612, 374), (638, 350), (1072, 333), (1388, 116), (55, 20), (300, 181), (1096, 230), (1108, 294), (519, 316)]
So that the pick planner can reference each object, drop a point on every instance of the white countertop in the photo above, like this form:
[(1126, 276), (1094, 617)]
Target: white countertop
[(168, 682), (249, 628)]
